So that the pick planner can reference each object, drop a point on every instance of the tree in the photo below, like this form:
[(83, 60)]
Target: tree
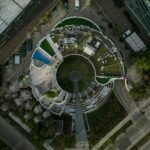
[(143, 64), (117, 30), (139, 91)]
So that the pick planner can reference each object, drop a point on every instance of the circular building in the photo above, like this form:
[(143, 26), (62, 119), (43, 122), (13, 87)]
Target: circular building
[(74, 50)]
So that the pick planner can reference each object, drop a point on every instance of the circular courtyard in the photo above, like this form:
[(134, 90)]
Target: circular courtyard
[(77, 64), (75, 50)]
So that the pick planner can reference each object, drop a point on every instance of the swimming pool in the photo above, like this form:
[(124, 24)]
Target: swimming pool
[(39, 55)]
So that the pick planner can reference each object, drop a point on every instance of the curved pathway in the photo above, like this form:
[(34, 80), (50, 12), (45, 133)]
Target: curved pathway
[(122, 95)]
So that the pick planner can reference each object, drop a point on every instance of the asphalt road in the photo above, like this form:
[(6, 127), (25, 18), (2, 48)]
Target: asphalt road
[(12, 44), (12, 137)]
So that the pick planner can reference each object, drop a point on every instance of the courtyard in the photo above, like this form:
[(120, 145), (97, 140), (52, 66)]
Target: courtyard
[(75, 63)]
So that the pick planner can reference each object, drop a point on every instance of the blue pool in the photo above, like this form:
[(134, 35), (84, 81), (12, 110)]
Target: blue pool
[(40, 56)]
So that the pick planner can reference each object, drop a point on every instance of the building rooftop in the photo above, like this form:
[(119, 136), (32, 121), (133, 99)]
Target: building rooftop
[(9, 10), (134, 41)]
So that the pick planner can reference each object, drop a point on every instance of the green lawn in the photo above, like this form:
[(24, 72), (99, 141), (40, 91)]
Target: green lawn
[(113, 70), (77, 63), (47, 47), (77, 22), (51, 94), (105, 119), (100, 52), (103, 80), (111, 61)]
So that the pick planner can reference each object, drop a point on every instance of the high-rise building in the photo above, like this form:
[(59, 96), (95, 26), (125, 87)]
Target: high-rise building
[(140, 10)]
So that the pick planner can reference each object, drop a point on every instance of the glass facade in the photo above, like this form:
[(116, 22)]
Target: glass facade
[(141, 10)]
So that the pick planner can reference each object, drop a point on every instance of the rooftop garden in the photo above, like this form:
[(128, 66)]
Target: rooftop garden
[(77, 22), (113, 70), (103, 80), (51, 94), (47, 47)]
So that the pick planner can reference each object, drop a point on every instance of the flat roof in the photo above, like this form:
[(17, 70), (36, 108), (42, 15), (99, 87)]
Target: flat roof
[(17, 59), (89, 49), (135, 42), (9, 10), (23, 3)]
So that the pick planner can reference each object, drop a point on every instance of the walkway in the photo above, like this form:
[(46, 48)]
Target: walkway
[(122, 95), (79, 121), (80, 129)]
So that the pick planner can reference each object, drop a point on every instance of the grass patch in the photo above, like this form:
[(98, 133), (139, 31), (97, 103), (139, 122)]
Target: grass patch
[(47, 47), (101, 51), (105, 119), (51, 94), (113, 70), (103, 80), (77, 22)]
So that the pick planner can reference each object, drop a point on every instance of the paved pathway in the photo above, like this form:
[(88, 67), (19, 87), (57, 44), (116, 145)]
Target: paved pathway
[(10, 136), (80, 129), (123, 96), (79, 121)]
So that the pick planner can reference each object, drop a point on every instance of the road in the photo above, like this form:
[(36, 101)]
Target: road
[(33, 20), (123, 96), (127, 102), (12, 137)]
